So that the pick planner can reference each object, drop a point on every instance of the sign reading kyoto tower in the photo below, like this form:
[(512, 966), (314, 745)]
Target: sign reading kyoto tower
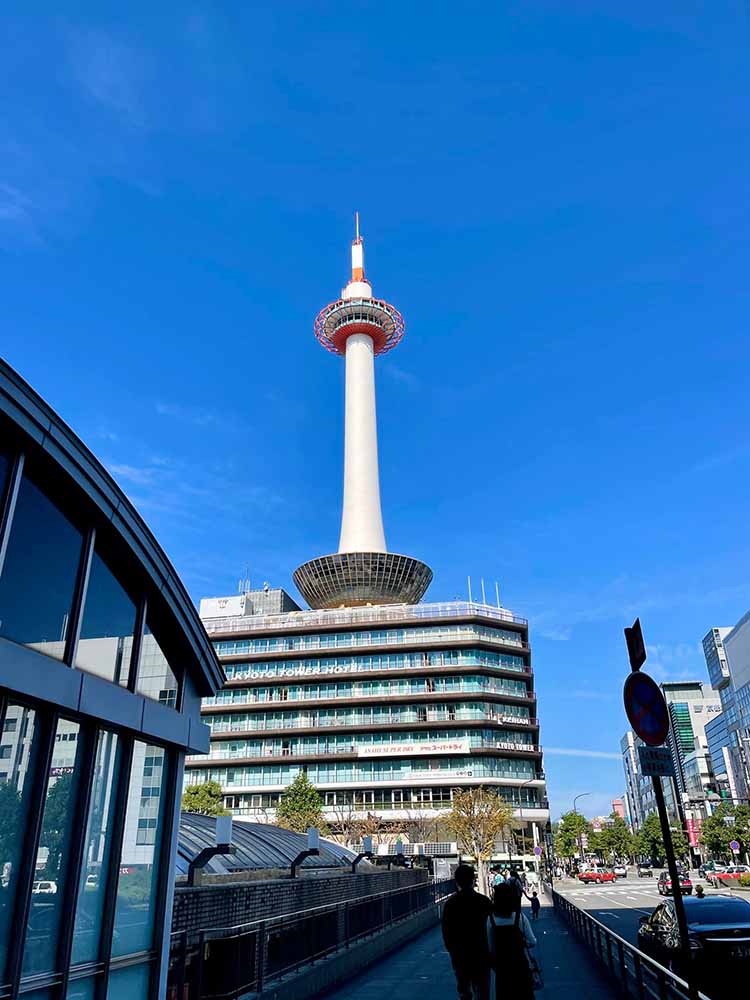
[(358, 328)]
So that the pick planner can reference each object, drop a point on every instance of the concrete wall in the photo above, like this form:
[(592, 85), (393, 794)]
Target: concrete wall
[(212, 906)]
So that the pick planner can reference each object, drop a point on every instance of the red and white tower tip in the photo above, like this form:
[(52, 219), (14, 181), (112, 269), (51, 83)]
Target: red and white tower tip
[(360, 327)]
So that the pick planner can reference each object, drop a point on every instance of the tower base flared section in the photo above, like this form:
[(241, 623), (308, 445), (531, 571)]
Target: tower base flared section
[(353, 579)]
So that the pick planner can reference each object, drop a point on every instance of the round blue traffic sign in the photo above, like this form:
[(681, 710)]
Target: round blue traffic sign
[(646, 708), (734, 846)]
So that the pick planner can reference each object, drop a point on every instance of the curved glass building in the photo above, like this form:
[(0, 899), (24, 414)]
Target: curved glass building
[(103, 661)]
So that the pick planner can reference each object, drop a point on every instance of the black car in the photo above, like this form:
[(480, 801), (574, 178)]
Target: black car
[(719, 931), (645, 871)]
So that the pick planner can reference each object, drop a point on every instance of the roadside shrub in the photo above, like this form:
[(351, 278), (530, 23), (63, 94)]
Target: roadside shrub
[(744, 881)]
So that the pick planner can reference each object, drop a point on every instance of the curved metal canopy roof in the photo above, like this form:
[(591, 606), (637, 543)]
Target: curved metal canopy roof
[(257, 846)]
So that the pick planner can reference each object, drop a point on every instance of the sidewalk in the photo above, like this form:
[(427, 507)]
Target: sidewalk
[(421, 969)]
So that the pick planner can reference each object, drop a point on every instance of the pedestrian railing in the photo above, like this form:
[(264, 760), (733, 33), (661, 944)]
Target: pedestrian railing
[(637, 975), (231, 962)]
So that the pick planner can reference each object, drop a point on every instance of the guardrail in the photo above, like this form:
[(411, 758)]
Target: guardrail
[(636, 974), (230, 962)]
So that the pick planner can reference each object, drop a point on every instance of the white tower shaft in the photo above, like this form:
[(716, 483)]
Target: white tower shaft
[(361, 521)]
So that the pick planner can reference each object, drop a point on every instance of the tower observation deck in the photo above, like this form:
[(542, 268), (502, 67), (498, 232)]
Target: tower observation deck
[(359, 327)]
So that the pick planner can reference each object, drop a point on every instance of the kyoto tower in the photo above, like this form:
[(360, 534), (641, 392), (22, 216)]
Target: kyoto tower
[(359, 327)]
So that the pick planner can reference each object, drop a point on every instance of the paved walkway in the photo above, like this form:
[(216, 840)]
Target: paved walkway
[(421, 969)]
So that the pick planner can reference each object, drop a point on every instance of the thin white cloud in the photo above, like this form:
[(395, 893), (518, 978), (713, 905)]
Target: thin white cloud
[(197, 416), (576, 752), (139, 475), (109, 72), (403, 376)]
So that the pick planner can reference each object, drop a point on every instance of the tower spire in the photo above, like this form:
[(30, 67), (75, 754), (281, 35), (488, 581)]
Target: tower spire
[(358, 254)]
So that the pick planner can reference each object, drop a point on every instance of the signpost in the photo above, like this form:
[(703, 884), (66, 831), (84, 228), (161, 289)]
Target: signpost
[(734, 844), (647, 713)]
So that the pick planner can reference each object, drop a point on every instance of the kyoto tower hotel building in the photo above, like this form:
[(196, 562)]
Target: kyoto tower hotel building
[(388, 702)]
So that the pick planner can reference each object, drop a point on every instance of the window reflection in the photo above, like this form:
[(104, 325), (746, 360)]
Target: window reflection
[(81, 989), (15, 785), (139, 862), (129, 984), (48, 890), (4, 468), (155, 677), (106, 641), (92, 887), (38, 579)]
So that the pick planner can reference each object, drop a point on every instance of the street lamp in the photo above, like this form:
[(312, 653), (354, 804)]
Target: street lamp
[(580, 838)]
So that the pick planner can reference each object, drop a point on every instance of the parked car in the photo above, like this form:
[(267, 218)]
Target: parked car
[(710, 867), (729, 875), (44, 887), (664, 885), (644, 871), (620, 871), (719, 931), (598, 875)]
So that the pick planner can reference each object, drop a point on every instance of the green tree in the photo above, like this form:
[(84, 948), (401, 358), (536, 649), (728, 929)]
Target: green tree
[(10, 822), (58, 809), (570, 828), (650, 843), (716, 833), (618, 840), (205, 799), (300, 806), (477, 818)]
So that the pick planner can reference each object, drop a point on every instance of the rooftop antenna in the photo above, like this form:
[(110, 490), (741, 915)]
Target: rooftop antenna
[(356, 226), (484, 596), (243, 586), (497, 593), (468, 579)]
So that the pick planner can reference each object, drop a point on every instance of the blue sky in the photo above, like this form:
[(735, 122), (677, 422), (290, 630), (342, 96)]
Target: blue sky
[(555, 194)]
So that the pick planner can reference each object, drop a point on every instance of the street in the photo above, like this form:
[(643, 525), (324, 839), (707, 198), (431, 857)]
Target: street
[(620, 905)]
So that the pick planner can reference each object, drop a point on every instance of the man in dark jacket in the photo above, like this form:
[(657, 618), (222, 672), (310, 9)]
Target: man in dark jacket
[(465, 935)]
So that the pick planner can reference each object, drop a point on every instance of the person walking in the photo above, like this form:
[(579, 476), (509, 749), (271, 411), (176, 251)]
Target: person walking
[(509, 938), (535, 906), (465, 916)]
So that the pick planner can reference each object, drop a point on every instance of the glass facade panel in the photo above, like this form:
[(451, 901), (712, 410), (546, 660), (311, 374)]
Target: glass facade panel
[(82, 989), (129, 984), (92, 887), (106, 642), (156, 679), (38, 578), (15, 787), (139, 863), (4, 469), (48, 891)]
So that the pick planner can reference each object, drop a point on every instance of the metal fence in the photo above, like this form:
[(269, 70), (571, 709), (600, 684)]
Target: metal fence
[(230, 962), (636, 974)]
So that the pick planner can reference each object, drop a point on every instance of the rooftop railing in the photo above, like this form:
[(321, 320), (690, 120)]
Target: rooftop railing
[(359, 616)]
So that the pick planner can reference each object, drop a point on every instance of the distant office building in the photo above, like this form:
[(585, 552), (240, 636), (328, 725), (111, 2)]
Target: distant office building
[(691, 707), (388, 704), (735, 721), (618, 808), (721, 759), (103, 661), (639, 790)]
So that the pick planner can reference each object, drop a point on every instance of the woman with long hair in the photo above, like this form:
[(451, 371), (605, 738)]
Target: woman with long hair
[(510, 937)]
